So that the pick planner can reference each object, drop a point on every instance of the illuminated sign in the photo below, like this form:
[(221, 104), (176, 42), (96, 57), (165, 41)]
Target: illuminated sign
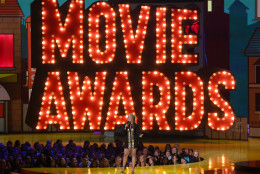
[(98, 65)]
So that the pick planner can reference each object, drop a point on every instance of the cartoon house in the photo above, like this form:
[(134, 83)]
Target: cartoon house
[(10, 66), (252, 51), (240, 34)]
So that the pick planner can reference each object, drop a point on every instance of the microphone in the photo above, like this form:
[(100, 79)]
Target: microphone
[(127, 124)]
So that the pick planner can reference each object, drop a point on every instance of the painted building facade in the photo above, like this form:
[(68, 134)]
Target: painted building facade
[(10, 66)]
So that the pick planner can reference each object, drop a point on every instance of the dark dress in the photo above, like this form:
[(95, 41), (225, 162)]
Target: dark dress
[(132, 136)]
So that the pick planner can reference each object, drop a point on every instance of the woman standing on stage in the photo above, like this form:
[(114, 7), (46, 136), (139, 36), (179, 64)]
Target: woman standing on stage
[(133, 133)]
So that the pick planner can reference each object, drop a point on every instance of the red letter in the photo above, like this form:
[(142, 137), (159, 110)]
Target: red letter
[(95, 12), (149, 108), (178, 39), (183, 122), (214, 121), (134, 41), (121, 90), (85, 102), (53, 92), (53, 31), (160, 35)]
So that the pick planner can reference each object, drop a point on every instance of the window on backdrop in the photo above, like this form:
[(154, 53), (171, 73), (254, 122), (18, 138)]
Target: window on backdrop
[(257, 102), (1, 110), (257, 74), (209, 5), (257, 9), (6, 50)]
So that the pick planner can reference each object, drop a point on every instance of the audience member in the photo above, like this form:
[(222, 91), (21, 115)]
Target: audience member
[(142, 161), (118, 162), (175, 159)]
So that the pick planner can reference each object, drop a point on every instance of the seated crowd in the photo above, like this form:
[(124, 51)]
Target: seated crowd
[(17, 156)]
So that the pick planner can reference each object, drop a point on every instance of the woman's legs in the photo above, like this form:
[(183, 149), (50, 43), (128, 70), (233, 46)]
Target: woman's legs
[(133, 159), (126, 153)]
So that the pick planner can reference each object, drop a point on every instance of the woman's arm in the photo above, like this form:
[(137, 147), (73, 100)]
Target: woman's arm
[(125, 129), (138, 133)]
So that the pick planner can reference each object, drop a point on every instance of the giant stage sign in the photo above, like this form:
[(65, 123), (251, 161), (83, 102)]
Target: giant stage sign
[(95, 66)]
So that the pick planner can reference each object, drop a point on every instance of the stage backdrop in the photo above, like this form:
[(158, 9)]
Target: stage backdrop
[(240, 33), (95, 66)]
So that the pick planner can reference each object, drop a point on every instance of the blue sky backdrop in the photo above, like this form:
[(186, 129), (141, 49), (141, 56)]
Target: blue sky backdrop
[(25, 5)]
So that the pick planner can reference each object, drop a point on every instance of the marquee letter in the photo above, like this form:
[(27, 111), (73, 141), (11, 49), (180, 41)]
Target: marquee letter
[(183, 122), (149, 108), (178, 39), (95, 12), (53, 92), (134, 41), (85, 102), (121, 90), (160, 35), (54, 32), (214, 121)]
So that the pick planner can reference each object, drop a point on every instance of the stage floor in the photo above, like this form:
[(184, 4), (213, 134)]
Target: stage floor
[(220, 155)]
